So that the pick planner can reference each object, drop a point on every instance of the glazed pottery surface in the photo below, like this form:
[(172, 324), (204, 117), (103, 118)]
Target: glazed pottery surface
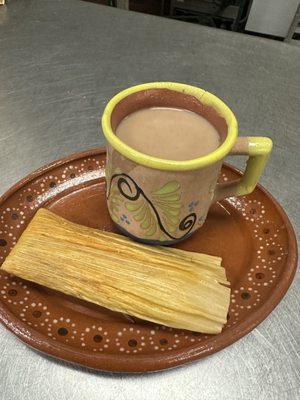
[(164, 201), (251, 233)]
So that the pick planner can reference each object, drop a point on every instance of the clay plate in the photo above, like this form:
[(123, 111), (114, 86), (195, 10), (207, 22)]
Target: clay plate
[(252, 234)]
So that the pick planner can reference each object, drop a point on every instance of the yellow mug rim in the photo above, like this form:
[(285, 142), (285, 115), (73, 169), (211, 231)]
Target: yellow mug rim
[(205, 97)]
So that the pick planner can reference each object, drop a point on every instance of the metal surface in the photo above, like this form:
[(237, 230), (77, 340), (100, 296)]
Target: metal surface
[(60, 61)]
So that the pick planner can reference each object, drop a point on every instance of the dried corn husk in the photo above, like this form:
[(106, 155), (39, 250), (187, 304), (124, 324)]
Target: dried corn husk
[(173, 287)]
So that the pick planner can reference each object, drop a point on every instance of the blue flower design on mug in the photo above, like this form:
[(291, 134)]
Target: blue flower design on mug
[(192, 205), (125, 219)]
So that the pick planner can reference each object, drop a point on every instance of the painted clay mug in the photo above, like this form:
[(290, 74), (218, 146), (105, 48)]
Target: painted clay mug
[(162, 201)]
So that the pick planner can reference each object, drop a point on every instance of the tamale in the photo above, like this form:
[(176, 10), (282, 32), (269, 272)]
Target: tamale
[(164, 285)]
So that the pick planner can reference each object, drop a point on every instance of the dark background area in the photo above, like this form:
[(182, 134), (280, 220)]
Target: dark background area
[(225, 14)]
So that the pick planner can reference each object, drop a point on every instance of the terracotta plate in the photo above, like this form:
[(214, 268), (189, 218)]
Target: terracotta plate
[(252, 234)]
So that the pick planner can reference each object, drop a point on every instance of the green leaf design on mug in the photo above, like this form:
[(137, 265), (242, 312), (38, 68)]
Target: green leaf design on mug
[(168, 189), (144, 215), (116, 200), (167, 200)]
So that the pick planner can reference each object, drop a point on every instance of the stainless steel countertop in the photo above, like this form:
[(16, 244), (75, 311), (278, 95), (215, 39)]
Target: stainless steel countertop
[(60, 61)]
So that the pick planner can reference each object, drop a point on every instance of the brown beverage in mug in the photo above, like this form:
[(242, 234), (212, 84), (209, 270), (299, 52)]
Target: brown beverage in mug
[(169, 133)]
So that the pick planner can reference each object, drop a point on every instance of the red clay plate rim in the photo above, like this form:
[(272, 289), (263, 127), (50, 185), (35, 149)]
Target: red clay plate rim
[(151, 363)]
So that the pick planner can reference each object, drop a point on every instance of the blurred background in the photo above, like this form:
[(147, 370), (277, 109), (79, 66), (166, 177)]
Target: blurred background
[(276, 19)]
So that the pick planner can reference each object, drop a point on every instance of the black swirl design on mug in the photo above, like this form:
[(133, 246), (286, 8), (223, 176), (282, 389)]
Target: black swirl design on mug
[(188, 222), (131, 191), (128, 188)]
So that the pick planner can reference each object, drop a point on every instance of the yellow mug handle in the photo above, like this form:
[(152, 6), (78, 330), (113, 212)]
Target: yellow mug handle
[(258, 149)]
